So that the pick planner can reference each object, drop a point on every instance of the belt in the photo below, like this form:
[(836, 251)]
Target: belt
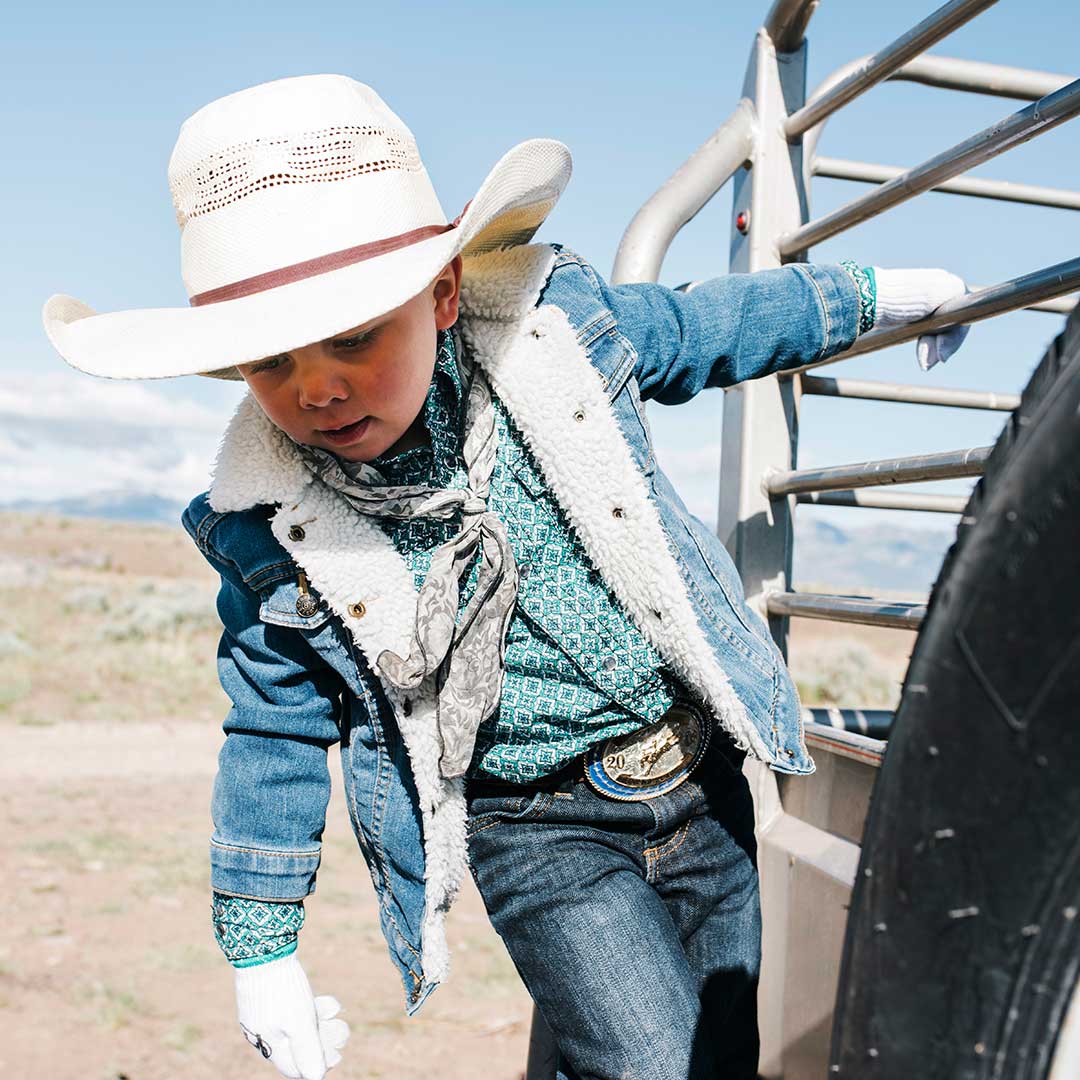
[(642, 765)]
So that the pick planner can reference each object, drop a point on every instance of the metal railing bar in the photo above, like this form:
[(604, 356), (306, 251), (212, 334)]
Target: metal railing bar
[(864, 610), (887, 500), (1003, 190), (1063, 305), (786, 23), (1011, 131), (649, 235), (849, 744), (978, 77), (874, 723), (945, 465), (884, 62), (911, 393), (1027, 291)]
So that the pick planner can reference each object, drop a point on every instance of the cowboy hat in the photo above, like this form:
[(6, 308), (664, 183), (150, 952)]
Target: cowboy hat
[(304, 210)]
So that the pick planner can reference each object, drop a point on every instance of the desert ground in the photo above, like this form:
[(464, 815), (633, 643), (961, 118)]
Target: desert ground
[(110, 718)]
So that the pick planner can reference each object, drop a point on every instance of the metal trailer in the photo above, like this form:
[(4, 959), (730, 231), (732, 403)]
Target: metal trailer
[(809, 829)]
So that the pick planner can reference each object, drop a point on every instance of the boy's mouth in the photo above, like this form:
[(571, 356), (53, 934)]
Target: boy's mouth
[(347, 434)]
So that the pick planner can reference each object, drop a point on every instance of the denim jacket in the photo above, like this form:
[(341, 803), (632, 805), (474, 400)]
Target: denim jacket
[(573, 359)]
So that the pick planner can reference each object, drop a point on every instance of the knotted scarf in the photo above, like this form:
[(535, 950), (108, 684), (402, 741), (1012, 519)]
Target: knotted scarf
[(465, 655)]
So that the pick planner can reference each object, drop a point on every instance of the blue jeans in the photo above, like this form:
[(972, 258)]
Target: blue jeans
[(635, 926)]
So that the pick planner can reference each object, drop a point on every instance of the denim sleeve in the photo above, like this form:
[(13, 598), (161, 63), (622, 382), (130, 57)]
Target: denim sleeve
[(735, 327), (273, 784)]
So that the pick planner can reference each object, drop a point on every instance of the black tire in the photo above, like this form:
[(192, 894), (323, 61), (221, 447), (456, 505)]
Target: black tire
[(963, 940)]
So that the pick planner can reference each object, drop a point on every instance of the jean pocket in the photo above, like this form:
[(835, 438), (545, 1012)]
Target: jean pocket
[(486, 811)]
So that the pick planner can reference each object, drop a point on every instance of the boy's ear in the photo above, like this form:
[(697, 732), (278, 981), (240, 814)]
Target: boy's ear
[(447, 293)]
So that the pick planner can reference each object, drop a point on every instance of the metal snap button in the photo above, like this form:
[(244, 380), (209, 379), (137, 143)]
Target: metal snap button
[(296, 532), (358, 610), (608, 663), (617, 512), (579, 416), (306, 605), (524, 569)]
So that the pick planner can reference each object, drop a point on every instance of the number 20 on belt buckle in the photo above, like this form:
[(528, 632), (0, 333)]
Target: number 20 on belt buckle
[(652, 761)]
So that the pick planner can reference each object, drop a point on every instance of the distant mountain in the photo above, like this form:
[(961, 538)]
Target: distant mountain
[(869, 559), (111, 505)]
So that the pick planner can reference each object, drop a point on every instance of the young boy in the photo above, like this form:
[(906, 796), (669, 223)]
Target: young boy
[(444, 543)]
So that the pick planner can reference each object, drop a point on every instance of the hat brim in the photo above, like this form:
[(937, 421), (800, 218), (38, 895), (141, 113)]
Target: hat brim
[(156, 343)]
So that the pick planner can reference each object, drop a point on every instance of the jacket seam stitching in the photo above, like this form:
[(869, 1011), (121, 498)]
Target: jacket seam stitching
[(824, 310)]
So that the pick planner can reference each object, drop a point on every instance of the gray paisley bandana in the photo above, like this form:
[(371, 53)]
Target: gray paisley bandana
[(465, 657)]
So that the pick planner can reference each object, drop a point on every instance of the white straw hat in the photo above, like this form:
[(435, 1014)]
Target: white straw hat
[(304, 210)]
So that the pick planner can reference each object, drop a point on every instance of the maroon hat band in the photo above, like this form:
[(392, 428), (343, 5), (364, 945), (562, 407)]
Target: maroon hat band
[(322, 264)]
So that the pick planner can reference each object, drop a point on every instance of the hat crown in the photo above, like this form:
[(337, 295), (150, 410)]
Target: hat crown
[(290, 170)]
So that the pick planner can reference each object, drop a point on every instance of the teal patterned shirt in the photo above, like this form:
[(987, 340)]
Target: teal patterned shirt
[(577, 670)]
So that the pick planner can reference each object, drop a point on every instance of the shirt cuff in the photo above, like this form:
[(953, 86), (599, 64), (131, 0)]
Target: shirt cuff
[(253, 932), (866, 286)]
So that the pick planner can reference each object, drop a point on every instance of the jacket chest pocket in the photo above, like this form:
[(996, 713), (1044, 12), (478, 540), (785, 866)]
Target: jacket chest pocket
[(284, 603)]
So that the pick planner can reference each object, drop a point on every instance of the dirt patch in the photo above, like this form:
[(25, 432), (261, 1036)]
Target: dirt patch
[(108, 966)]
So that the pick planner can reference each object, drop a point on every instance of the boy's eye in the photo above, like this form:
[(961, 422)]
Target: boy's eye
[(352, 342), (268, 364)]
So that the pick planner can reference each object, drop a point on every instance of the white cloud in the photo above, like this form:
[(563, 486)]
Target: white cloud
[(65, 435)]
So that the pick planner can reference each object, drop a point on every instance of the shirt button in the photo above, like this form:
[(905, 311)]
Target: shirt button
[(524, 569), (450, 461), (608, 663), (296, 532)]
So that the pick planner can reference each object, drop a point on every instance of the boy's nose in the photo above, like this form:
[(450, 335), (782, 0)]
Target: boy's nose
[(318, 389)]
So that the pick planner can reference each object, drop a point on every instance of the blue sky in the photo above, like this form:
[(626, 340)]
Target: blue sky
[(95, 95)]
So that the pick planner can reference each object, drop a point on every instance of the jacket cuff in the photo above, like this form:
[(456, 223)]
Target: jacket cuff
[(839, 300), (261, 874)]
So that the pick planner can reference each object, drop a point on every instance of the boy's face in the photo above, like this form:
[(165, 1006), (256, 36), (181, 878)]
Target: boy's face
[(361, 392)]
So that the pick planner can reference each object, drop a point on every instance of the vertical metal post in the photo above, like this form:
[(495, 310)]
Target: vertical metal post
[(760, 432), (761, 416)]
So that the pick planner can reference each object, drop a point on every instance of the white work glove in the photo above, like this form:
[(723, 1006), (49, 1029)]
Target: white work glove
[(905, 296), (283, 1020)]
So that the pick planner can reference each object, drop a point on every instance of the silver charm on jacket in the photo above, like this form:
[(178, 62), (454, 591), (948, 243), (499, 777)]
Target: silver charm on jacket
[(652, 761)]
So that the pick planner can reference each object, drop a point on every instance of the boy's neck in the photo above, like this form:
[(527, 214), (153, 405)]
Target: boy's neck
[(415, 435)]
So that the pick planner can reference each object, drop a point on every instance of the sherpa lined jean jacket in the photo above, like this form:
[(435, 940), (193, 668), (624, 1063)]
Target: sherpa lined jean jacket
[(572, 358)]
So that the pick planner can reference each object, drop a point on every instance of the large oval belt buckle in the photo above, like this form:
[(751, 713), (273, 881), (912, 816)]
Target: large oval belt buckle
[(652, 761)]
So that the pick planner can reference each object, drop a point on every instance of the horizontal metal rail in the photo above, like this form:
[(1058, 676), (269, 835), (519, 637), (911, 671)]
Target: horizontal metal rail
[(1029, 290), (849, 744), (886, 500), (1002, 190), (902, 470), (911, 393), (1063, 305), (648, 237), (878, 67), (873, 722), (978, 77), (1013, 130), (864, 610)]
